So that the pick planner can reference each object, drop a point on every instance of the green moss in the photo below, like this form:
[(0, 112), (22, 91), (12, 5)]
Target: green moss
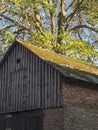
[(66, 65)]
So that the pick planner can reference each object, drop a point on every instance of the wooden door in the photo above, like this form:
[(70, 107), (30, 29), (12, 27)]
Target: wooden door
[(22, 121)]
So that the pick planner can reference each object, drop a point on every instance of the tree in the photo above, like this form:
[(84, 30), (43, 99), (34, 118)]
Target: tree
[(48, 23)]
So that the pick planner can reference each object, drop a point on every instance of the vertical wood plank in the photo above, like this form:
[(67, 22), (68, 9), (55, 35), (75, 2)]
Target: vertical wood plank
[(31, 84)]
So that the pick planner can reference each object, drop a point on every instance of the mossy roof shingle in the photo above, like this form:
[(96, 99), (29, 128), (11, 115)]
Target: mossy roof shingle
[(67, 66)]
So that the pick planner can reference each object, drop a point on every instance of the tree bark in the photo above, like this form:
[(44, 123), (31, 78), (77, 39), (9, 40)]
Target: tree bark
[(61, 17)]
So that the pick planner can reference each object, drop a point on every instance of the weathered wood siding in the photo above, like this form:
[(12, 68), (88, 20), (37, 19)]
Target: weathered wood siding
[(30, 120), (28, 82)]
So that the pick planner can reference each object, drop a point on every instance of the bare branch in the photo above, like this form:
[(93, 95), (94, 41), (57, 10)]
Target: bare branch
[(3, 9), (83, 26), (70, 17), (71, 4), (7, 27)]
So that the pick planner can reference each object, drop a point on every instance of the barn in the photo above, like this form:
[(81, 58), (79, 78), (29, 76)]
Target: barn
[(41, 90)]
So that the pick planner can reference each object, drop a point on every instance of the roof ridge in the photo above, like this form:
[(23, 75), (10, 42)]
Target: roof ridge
[(67, 66), (61, 59)]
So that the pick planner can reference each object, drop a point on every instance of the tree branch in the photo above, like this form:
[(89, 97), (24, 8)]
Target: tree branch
[(52, 19), (3, 9), (83, 26), (71, 4), (19, 24), (70, 17)]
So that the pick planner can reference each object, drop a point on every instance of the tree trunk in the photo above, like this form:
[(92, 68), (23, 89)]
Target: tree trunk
[(61, 17)]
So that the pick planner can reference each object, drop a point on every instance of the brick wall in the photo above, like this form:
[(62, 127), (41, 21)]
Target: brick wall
[(80, 118), (53, 119), (80, 105)]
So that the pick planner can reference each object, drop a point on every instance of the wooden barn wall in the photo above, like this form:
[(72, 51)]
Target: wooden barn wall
[(28, 120), (28, 82)]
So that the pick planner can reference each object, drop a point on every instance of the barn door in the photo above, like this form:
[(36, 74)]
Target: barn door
[(5, 122), (22, 121)]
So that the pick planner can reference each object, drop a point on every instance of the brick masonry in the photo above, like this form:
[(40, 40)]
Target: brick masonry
[(53, 119), (80, 119), (80, 106)]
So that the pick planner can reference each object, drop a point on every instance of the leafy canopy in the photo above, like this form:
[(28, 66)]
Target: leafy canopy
[(64, 26)]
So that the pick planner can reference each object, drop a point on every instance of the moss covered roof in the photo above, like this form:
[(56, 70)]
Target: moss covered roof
[(67, 66)]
